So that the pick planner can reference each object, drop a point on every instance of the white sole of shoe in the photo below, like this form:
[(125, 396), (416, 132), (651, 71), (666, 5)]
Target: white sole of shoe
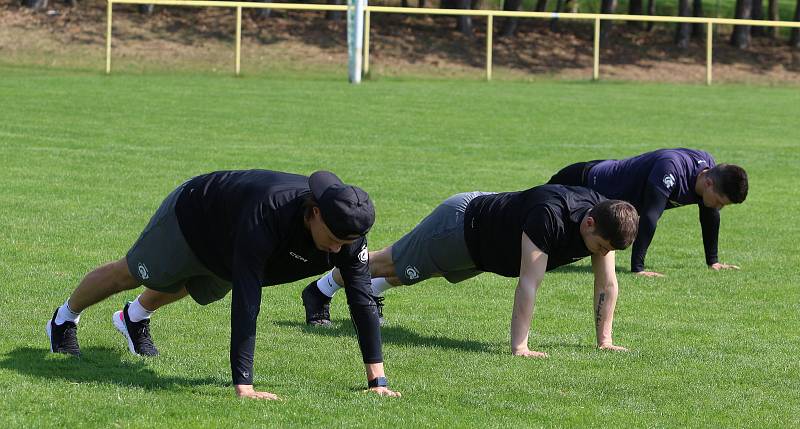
[(119, 323)]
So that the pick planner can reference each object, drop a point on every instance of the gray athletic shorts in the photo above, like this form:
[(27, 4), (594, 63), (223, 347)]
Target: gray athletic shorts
[(436, 246), (162, 260)]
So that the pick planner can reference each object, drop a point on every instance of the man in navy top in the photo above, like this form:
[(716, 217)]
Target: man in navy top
[(661, 180), (514, 234), (239, 231)]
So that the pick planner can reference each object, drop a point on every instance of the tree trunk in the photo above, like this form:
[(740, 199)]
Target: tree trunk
[(541, 5), (35, 4), (683, 30), (635, 8), (774, 15), (606, 6), (554, 21), (698, 30), (740, 37), (510, 24), (463, 23), (651, 10), (333, 15), (795, 39), (757, 13), (146, 9)]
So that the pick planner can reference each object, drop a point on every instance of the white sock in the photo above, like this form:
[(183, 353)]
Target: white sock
[(380, 285), (65, 314), (136, 312), (327, 285)]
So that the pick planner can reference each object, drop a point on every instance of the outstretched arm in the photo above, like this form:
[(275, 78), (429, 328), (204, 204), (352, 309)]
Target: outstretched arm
[(533, 265), (709, 224), (605, 300), (654, 204)]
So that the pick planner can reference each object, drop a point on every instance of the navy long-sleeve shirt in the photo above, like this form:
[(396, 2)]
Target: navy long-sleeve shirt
[(248, 227)]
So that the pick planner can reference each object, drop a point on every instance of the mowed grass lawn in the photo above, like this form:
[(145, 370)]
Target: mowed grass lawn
[(87, 158)]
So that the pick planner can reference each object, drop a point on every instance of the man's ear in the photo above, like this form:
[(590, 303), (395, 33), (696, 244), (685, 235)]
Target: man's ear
[(315, 211), (590, 221)]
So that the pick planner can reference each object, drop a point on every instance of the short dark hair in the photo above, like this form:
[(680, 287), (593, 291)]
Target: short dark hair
[(616, 221), (730, 180)]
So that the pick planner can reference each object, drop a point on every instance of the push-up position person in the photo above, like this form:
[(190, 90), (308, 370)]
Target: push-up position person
[(660, 180), (513, 234), (240, 231)]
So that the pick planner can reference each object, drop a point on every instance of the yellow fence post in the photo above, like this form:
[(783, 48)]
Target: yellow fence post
[(366, 43), (709, 43), (596, 67), (489, 22), (108, 36), (238, 39)]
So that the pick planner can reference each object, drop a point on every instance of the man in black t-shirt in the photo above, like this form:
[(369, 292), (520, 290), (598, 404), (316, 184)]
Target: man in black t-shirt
[(660, 180), (239, 231), (513, 234)]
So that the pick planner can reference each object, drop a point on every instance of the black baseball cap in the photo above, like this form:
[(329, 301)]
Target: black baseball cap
[(347, 210)]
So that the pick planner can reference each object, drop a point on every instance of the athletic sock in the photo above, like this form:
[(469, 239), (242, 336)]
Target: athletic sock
[(380, 285), (327, 285), (137, 313), (65, 314)]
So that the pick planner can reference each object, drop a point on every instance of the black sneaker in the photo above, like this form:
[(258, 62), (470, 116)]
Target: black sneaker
[(63, 337), (379, 304), (317, 304), (137, 333)]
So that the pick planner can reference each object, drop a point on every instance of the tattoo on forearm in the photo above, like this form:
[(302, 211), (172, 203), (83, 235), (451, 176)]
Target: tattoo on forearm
[(600, 301)]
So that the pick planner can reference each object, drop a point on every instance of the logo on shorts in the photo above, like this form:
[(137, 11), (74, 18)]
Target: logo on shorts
[(669, 181), (363, 255), (296, 256), (412, 273), (143, 273)]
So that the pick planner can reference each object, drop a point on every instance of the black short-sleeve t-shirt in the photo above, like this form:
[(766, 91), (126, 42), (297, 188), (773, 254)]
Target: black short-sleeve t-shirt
[(550, 215)]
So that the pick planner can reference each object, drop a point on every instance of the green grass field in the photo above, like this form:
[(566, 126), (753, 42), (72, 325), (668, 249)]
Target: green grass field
[(87, 158)]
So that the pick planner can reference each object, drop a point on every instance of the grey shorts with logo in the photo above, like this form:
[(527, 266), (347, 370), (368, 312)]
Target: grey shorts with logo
[(162, 260), (436, 246)]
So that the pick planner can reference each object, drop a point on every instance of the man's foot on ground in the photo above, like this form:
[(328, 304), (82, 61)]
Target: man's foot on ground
[(379, 304), (317, 304), (137, 333), (63, 337)]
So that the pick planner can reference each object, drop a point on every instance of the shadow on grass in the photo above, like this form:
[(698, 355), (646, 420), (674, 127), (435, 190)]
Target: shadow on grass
[(392, 335), (95, 365)]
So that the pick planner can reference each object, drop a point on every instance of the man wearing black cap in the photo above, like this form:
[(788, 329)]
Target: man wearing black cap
[(239, 231)]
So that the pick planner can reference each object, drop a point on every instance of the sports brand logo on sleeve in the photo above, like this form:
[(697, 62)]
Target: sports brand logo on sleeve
[(143, 272), (363, 255), (669, 181), (411, 272)]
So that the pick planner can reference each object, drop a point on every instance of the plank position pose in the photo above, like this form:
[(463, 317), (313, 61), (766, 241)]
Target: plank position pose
[(240, 231), (513, 234), (660, 180)]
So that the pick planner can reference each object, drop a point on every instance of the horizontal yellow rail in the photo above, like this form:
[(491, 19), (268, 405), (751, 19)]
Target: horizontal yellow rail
[(489, 14)]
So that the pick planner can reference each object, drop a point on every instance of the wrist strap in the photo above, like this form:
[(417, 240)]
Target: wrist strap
[(378, 382)]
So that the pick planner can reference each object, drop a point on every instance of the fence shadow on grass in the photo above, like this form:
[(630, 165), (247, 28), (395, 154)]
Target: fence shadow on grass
[(95, 365), (393, 335)]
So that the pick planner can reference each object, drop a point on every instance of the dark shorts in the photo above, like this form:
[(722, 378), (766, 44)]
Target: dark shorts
[(162, 260), (437, 246), (573, 175)]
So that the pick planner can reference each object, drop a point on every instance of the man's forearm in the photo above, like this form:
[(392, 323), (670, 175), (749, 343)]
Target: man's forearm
[(524, 301), (605, 301)]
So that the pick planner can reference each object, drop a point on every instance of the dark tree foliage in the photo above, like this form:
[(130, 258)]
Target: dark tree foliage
[(795, 39), (740, 37), (146, 9), (35, 4), (684, 30)]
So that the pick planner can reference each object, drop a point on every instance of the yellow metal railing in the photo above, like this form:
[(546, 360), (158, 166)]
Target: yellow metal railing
[(489, 14)]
